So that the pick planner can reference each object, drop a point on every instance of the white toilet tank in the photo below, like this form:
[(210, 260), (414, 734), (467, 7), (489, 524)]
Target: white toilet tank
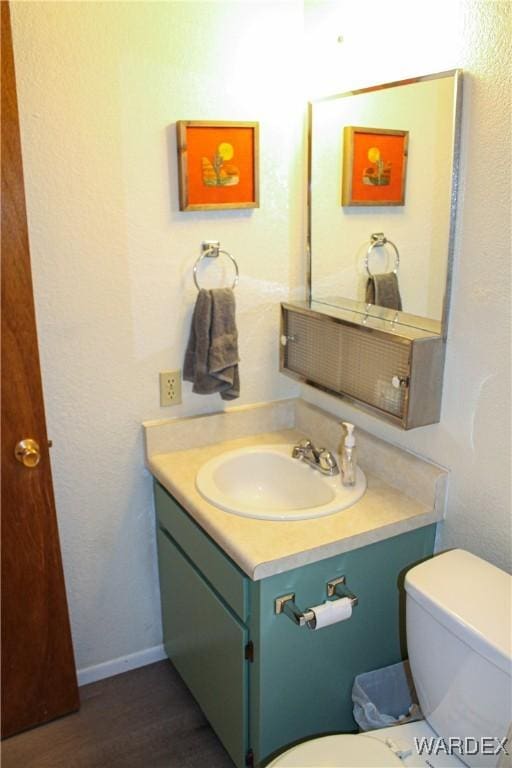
[(459, 637)]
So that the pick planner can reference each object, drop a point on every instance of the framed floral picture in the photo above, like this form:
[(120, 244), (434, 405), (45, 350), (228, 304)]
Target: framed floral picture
[(374, 166), (217, 165)]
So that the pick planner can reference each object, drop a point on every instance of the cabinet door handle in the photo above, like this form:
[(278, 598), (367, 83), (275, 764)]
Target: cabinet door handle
[(400, 381)]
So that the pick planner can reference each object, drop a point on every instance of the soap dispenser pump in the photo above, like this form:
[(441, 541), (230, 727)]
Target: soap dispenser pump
[(348, 456)]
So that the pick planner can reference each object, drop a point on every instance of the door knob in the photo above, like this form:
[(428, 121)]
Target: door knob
[(27, 452)]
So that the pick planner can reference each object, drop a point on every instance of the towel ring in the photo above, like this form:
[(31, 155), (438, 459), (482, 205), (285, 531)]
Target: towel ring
[(211, 250), (378, 240)]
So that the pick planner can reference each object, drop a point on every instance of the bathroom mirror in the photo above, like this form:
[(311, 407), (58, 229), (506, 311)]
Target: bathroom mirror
[(383, 165)]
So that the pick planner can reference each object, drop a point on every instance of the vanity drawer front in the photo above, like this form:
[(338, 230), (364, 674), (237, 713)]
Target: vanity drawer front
[(224, 576)]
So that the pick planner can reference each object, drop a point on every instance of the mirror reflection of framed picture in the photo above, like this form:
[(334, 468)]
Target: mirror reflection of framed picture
[(374, 166), (217, 165)]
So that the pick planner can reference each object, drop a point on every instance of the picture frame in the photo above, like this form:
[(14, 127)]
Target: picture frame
[(374, 166), (218, 164)]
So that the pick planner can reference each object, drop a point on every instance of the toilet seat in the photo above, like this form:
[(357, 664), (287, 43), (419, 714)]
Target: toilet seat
[(341, 751)]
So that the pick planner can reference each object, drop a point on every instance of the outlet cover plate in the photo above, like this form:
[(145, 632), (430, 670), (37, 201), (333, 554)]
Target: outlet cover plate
[(170, 388)]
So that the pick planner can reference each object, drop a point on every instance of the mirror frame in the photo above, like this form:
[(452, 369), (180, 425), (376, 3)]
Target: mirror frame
[(439, 327)]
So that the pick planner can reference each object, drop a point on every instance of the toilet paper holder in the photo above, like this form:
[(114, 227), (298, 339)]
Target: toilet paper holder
[(336, 589)]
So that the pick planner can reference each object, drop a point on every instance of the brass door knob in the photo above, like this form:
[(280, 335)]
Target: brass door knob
[(27, 452)]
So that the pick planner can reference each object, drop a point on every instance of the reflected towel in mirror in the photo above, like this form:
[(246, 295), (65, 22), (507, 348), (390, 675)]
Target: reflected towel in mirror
[(211, 357), (383, 291)]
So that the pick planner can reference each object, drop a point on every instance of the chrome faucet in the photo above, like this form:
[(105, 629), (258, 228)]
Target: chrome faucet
[(318, 458)]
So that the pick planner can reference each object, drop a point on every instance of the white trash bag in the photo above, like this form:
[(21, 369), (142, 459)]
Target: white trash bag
[(385, 697)]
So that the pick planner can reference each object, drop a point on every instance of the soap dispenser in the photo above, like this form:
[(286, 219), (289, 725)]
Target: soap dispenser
[(348, 456)]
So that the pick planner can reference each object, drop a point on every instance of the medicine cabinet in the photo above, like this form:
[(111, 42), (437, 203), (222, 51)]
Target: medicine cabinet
[(382, 196)]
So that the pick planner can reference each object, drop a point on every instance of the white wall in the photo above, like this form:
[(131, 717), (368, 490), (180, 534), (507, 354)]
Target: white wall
[(473, 438), (100, 87)]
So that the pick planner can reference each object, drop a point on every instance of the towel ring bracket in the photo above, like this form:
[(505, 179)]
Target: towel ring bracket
[(379, 240), (211, 249)]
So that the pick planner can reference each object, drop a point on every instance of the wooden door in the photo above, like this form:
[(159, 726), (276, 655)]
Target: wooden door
[(37, 663)]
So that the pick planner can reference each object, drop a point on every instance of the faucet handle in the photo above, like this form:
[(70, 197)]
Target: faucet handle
[(327, 462), (300, 449)]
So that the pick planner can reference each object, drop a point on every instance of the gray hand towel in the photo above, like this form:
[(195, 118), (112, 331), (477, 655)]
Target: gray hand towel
[(211, 358), (383, 291)]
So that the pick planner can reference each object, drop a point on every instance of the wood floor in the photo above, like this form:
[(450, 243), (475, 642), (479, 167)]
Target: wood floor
[(145, 718)]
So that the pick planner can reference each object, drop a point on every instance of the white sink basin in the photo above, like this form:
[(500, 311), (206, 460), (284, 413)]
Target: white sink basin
[(266, 483)]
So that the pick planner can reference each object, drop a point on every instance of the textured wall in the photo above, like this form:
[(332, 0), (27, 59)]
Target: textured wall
[(473, 438), (100, 88)]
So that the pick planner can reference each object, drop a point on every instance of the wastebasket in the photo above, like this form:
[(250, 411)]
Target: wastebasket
[(385, 697)]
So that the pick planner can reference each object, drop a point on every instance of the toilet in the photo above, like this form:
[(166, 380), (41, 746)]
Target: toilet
[(459, 637)]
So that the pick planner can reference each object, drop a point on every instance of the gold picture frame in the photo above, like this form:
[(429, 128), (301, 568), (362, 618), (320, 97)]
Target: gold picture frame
[(218, 164), (374, 166)]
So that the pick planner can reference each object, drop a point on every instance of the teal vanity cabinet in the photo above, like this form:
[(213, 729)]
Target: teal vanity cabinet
[(262, 681)]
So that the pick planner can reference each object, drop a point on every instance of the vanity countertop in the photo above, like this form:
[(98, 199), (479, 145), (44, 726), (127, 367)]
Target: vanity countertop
[(263, 548)]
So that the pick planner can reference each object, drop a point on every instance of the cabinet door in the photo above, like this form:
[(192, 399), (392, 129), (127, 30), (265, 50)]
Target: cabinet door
[(354, 361), (206, 643)]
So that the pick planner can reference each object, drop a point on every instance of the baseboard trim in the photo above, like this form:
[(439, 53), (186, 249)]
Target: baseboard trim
[(122, 664)]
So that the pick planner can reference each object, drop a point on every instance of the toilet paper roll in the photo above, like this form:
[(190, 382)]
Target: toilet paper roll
[(331, 612)]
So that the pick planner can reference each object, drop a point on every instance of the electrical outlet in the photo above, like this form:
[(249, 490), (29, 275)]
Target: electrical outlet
[(170, 388)]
